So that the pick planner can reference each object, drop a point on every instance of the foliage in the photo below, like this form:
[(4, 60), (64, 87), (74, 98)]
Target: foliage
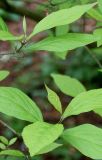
[(40, 137)]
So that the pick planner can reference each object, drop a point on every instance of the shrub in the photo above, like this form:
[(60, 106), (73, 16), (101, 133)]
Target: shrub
[(41, 137)]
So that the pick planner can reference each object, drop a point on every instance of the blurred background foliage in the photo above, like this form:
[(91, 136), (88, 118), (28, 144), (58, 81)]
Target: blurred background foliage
[(29, 72)]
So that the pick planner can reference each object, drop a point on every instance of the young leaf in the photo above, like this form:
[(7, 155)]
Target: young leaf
[(54, 99), (3, 74), (24, 25), (49, 148), (68, 85), (86, 138), (39, 135), (2, 146), (63, 43), (3, 25), (4, 140), (84, 102), (15, 153), (12, 141), (7, 36), (14, 102), (61, 17)]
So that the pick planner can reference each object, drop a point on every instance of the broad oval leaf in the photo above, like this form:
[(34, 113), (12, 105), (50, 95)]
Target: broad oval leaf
[(39, 135), (61, 17), (68, 85), (14, 102), (9, 152), (7, 36), (86, 138), (3, 74), (54, 99), (84, 102), (3, 25), (62, 43)]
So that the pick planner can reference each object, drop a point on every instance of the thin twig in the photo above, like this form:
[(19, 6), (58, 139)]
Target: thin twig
[(94, 57), (10, 128), (19, 49), (60, 121)]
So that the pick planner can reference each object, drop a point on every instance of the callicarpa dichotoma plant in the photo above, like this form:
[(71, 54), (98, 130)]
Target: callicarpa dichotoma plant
[(41, 137)]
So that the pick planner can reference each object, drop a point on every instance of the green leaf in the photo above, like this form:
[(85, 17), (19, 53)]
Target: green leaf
[(86, 1), (61, 17), (39, 135), (68, 85), (3, 74), (7, 36), (3, 25), (2, 146), (100, 4), (4, 140), (49, 148), (94, 13), (14, 102), (24, 25), (61, 55), (98, 111), (15, 153), (61, 30), (84, 102), (56, 2), (12, 141), (100, 70), (54, 99), (98, 33), (63, 43), (87, 139)]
